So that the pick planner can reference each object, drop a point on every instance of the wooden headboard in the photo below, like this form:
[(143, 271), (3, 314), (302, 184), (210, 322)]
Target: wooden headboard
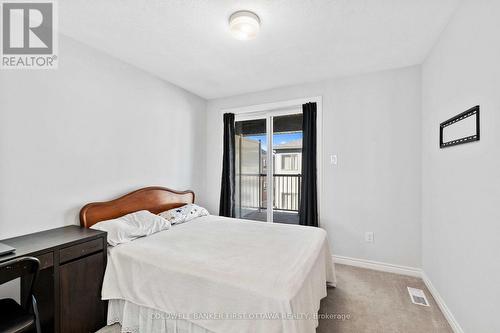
[(156, 199)]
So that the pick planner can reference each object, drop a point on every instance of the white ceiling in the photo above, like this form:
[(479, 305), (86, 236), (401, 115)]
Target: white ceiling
[(187, 42)]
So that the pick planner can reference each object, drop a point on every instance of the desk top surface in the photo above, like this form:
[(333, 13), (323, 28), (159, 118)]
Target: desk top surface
[(45, 241)]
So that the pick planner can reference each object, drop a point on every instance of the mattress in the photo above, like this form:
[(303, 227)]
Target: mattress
[(225, 275)]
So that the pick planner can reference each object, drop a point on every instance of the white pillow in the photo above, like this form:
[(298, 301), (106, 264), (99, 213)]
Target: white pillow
[(131, 226), (184, 213)]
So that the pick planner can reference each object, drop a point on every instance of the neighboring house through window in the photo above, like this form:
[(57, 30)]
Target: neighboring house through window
[(290, 162)]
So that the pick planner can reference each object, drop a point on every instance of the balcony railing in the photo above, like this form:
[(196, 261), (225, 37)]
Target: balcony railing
[(252, 191)]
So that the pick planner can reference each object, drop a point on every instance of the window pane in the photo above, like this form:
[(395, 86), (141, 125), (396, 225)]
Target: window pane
[(287, 155), (251, 168)]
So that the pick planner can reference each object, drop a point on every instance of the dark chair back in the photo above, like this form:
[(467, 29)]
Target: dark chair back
[(21, 267)]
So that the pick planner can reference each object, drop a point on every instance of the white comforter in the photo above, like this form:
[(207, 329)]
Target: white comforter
[(212, 268)]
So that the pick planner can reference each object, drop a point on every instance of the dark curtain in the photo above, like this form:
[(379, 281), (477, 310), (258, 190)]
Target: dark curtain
[(308, 212), (227, 189)]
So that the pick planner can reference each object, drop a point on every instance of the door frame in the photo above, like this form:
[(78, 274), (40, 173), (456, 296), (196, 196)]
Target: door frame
[(280, 108)]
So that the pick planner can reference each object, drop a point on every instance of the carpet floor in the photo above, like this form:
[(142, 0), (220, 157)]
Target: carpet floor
[(378, 302), (368, 301)]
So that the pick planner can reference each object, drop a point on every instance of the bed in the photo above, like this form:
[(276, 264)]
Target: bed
[(212, 274)]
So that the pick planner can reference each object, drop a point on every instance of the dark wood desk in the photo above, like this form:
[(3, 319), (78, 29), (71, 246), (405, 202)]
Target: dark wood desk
[(68, 290)]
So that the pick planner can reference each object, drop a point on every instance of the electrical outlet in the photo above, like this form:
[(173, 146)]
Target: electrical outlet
[(369, 237), (333, 159)]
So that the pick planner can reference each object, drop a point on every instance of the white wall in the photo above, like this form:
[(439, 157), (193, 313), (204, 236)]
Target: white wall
[(373, 124), (91, 130), (461, 185)]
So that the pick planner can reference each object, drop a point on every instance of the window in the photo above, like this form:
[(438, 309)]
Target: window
[(289, 162)]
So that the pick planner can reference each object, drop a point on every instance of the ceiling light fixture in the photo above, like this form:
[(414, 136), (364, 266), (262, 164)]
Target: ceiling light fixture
[(244, 25)]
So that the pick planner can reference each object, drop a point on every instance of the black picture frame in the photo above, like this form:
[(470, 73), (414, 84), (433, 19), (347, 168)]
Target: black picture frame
[(475, 137)]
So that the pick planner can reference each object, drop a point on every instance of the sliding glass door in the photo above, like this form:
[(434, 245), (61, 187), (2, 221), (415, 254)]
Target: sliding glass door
[(287, 167), (251, 169), (268, 166)]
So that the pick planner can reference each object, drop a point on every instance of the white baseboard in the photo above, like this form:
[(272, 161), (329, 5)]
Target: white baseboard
[(455, 326), (378, 266), (404, 270)]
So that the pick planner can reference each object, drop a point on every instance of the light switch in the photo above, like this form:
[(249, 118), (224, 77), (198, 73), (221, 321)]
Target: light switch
[(369, 237), (333, 159)]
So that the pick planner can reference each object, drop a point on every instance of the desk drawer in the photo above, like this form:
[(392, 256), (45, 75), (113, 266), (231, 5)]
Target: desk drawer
[(80, 250), (46, 260)]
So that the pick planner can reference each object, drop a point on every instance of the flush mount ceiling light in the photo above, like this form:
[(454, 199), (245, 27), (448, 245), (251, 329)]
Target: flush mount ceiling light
[(244, 25)]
